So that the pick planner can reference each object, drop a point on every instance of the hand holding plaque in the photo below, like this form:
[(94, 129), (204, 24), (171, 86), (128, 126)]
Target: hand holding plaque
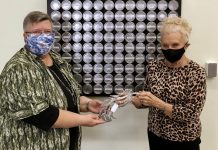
[(110, 105)]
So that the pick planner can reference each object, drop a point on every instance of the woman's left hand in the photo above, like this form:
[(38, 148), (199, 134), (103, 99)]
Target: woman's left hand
[(94, 106), (149, 99)]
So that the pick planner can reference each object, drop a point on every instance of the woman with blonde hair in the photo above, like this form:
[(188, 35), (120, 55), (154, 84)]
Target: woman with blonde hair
[(175, 92)]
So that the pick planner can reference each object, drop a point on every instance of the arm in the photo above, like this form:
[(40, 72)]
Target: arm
[(67, 119), (84, 103), (137, 103), (53, 117), (194, 102), (24, 97), (148, 99), (187, 111), (45, 119), (21, 92), (87, 104)]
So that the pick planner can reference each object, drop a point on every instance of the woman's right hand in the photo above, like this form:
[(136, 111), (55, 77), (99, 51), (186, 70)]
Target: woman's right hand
[(90, 120), (67, 119)]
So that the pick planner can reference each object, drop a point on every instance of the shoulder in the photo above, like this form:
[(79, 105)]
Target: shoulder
[(196, 69), (18, 59), (197, 74), (21, 61)]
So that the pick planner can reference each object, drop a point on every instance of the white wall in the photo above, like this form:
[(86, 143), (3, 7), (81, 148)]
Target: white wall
[(202, 15), (12, 14), (128, 131)]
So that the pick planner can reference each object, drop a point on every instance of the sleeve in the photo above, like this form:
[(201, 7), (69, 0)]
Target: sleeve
[(45, 119), (23, 93), (191, 109), (149, 70)]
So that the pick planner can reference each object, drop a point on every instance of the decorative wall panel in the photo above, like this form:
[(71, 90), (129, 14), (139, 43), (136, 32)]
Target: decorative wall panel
[(109, 43)]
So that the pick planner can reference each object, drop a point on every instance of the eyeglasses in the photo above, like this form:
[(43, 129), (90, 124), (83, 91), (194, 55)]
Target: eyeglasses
[(47, 32)]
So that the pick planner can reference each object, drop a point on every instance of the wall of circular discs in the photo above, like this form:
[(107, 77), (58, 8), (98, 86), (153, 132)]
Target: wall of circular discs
[(109, 42)]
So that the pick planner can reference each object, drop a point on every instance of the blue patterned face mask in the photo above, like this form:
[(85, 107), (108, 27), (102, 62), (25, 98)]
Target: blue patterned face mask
[(39, 44)]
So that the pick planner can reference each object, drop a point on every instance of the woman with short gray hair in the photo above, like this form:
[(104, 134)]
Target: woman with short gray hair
[(175, 92), (40, 100)]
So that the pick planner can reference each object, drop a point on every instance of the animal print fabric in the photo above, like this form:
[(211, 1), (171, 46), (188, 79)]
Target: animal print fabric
[(185, 89)]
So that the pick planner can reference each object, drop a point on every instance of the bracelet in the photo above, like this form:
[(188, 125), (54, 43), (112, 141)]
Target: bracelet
[(87, 105)]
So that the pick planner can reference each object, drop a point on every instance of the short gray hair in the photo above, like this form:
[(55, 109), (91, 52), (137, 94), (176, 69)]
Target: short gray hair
[(35, 17), (176, 24)]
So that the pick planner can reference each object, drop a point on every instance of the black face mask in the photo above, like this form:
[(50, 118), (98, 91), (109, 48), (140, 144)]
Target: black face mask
[(173, 55)]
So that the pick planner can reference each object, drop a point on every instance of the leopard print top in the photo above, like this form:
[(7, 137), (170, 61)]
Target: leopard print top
[(185, 89)]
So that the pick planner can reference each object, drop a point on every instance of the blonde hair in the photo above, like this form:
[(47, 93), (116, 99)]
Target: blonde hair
[(176, 24)]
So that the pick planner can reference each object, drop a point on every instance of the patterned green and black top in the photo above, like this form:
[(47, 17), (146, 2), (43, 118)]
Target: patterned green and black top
[(27, 88)]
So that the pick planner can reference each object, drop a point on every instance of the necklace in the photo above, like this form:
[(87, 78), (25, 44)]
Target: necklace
[(64, 83)]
